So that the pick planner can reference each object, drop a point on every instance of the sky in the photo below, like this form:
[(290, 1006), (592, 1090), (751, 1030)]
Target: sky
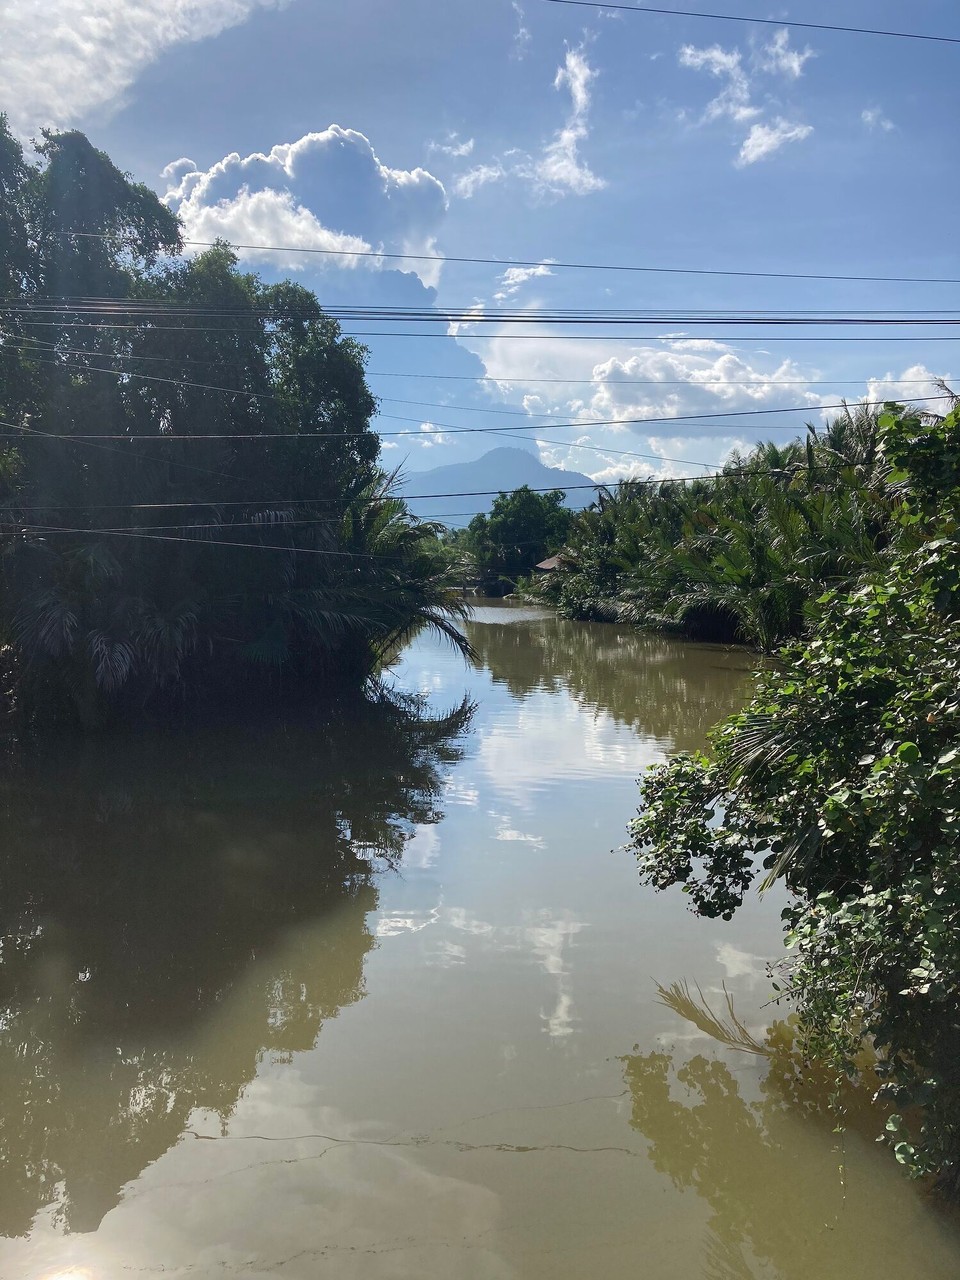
[(551, 134)]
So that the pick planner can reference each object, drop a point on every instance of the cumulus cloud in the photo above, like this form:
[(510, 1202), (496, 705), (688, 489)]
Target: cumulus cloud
[(674, 378), (915, 383), (328, 191), (514, 277), (687, 376), (874, 118), (61, 59), (764, 139), (735, 101), (560, 169)]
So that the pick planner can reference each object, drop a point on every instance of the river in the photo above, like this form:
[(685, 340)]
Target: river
[(379, 1000)]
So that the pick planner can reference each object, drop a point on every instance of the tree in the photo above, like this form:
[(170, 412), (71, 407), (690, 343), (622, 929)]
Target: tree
[(842, 777), (738, 557), (522, 529), (193, 506)]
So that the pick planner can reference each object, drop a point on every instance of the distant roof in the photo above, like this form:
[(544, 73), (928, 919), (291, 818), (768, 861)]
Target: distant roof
[(548, 565)]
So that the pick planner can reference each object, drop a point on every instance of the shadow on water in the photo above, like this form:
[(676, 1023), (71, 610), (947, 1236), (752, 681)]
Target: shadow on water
[(143, 881), (666, 689), (786, 1164)]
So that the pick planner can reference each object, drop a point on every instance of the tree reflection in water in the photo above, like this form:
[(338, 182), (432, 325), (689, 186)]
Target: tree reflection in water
[(787, 1199), (142, 883), (671, 691)]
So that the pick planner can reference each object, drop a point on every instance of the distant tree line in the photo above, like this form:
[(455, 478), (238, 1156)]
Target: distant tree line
[(191, 505), (739, 557)]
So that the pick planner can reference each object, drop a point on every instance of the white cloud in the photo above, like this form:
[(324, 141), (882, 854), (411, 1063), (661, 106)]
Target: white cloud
[(777, 56), (514, 277), (725, 64), (764, 139), (521, 37), (476, 311), (62, 59), (915, 383), (735, 100), (469, 183), (452, 147), (874, 118), (270, 217), (676, 378), (560, 169), (306, 194), (430, 436)]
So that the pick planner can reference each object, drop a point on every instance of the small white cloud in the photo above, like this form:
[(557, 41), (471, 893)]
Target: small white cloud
[(452, 147), (777, 56), (474, 312), (430, 436), (764, 139), (521, 37), (469, 183), (725, 64), (514, 277), (874, 118)]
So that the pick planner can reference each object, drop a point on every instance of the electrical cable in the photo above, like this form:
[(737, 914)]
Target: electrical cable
[(566, 266), (767, 22)]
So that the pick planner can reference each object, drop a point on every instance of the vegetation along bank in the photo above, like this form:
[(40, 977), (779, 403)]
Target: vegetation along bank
[(192, 509)]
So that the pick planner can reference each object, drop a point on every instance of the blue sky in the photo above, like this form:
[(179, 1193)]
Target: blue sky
[(550, 133)]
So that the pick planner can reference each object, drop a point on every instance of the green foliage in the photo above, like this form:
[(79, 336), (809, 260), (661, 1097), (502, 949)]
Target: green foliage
[(842, 777), (522, 529), (193, 510), (740, 557)]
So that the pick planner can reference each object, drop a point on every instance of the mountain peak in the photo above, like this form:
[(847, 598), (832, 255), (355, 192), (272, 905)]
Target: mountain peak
[(500, 470)]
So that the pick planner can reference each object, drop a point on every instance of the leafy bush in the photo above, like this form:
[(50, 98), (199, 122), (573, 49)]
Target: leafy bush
[(842, 777)]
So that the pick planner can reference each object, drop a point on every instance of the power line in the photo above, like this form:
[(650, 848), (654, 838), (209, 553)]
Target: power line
[(445, 428), (565, 266), (249, 323), (132, 304), (204, 542), (695, 384), (449, 427), (767, 22), (88, 326), (65, 306), (706, 384)]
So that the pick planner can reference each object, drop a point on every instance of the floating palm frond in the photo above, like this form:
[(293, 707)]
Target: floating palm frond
[(725, 1027)]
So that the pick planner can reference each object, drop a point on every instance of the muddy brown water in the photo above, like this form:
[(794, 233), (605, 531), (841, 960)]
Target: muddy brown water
[(376, 1000)]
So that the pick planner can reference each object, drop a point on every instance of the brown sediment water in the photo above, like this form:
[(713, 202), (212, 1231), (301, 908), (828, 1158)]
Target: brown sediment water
[(375, 998)]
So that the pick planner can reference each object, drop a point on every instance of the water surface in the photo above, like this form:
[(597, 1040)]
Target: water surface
[(377, 1000)]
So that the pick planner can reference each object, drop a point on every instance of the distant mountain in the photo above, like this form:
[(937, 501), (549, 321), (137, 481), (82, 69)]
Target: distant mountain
[(500, 470)]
